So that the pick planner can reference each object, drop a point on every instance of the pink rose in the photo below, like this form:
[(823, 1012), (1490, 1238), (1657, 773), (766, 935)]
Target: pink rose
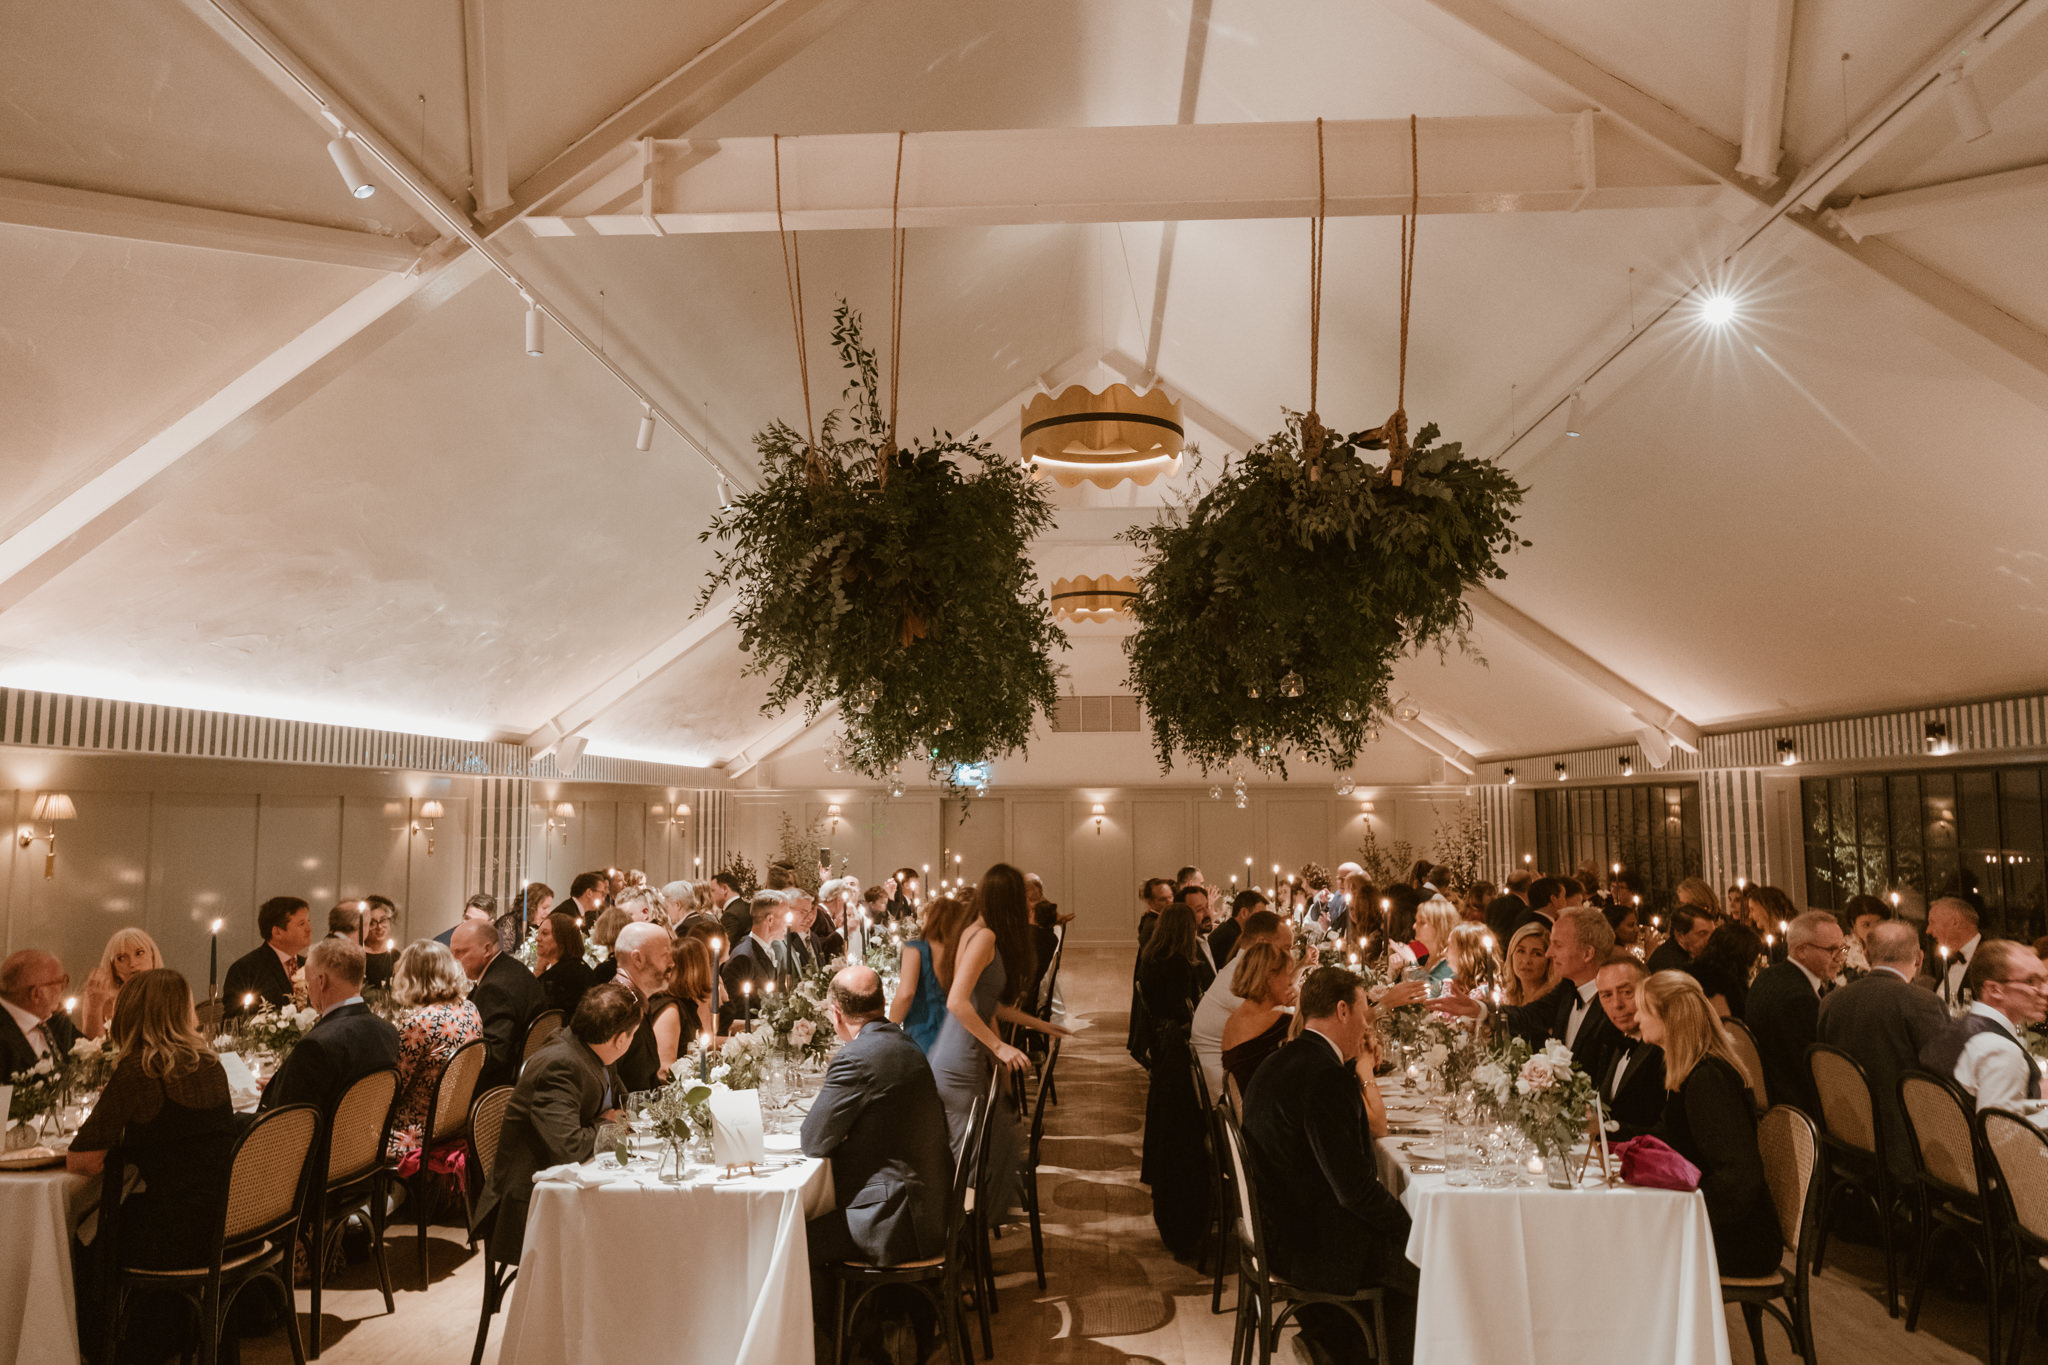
[(1538, 1074)]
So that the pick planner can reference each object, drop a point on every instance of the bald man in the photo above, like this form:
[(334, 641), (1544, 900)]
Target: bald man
[(33, 1023), (506, 995)]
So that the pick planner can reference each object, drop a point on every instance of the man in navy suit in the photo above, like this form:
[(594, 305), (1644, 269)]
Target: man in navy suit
[(506, 998), (263, 976), (753, 961), (347, 1044)]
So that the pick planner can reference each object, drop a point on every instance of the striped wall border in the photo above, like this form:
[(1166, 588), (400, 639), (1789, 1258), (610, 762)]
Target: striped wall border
[(1496, 811), (1732, 828), (501, 837)]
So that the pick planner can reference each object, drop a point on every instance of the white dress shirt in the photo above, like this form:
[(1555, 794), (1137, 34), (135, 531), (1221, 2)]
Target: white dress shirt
[(1993, 1070), (31, 1028), (1581, 1011), (1953, 971)]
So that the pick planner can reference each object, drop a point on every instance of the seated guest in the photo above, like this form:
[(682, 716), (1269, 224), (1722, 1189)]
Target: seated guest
[(735, 912), (347, 1044), (1698, 893), (563, 1094), (1218, 1003), (879, 1121), (1434, 921), (587, 896), (828, 929), (1504, 911), (1195, 897), (435, 1018), (1863, 914), (1329, 1222), (1985, 1051), (752, 963), (1724, 965), (128, 954), (645, 958), (1690, 929), (1529, 974), (1632, 1087), (264, 976), (529, 909), (345, 920), (1546, 899), (1171, 979), (1952, 923), (799, 950), (33, 1025), (1710, 1120), (1579, 942), (1624, 918), (506, 997), (380, 951), (1884, 1021), (564, 975), (1224, 941), (690, 982), (1262, 979), (920, 1003), (1783, 1008), (478, 909)]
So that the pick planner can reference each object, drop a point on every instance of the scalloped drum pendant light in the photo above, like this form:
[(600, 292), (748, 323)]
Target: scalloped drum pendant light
[(1093, 599), (1104, 437)]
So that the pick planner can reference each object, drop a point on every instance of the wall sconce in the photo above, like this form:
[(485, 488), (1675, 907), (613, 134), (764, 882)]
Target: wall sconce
[(1509, 774), (1937, 738), (1365, 810), (430, 811), (1561, 774), (834, 810), (559, 818), (1788, 753), (1098, 819), (50, 807)]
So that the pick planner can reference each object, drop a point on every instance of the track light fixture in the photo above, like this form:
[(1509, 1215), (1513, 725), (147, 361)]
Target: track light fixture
[(1561, 773), (536, 337), (1937, 737), (1788, 752), (1575, 416), (351, 168), (644, 441), (1966, 106), (1628, 765), (1509, 774)]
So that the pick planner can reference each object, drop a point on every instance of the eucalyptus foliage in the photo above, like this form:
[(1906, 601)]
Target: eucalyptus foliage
[(893, 582), (1271, 611)]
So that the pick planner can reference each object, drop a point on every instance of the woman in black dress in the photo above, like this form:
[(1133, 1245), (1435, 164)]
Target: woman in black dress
[(1710, 1120), (1264, 981), (1171, 979), (564, 976), (1725, 965)]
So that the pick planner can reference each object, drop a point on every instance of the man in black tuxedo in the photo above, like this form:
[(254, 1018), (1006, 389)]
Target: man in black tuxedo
[(1155, 895), (1504, 911), (564, 1093), (1223, 940), (1691, 927), (506, 996), (1580, 941), (1546, 900), (1328, 1221), (586, 898), (799, 916), (1632, 1085), (1783, 1009), (753, 962), (33, 1024), (1883, 1021), (347, 1044), (880, 1122), (734, 913), (263, 976)]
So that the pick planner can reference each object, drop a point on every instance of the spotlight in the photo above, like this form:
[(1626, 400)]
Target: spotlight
[(1575, 417), (644, 441), (1509, 774), (1966, 106), (351, 169), (1717, 310), (536, 340), (1788, 752), (1628, 766), (1561, 774), (1937, 737)]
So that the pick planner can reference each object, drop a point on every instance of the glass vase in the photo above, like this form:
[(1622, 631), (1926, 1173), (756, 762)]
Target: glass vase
[(1563, 1164), (672, 1163)]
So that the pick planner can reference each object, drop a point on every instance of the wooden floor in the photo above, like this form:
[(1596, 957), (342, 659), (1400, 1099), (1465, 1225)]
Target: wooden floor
[(1113, 1293)]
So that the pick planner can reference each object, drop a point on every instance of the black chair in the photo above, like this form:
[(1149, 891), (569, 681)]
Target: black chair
[(981, 1217), (937, 1278), (1219, 1224), (540, 1033), (269, 1168), (1260, 1292), (1951, 1168), (486, 1125), (2017, 1153), (1030, 1172), (447, 1116), (353, 1183), (1857, 1158), (1791, 1150)]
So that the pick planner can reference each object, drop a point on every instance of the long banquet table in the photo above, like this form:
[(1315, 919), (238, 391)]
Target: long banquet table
[(1529, 1275), (38, 1313)]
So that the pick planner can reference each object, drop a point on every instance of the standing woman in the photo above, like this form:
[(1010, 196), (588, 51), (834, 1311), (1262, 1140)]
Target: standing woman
[(128, 954), (920, 1003), (983, 966), (1172, 977)]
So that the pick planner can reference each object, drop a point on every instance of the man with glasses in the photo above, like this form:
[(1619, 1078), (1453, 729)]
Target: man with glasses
[(1783, 1010), (33, 1024), (1985, 1050)]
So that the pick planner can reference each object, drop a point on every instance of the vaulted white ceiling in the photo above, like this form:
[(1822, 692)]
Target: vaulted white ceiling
[(287, 454)]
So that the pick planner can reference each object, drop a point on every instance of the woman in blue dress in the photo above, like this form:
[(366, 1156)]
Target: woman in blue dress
[(920, 1003)]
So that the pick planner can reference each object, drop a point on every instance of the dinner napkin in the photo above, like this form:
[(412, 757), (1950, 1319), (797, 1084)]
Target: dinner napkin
[(586, 1176)]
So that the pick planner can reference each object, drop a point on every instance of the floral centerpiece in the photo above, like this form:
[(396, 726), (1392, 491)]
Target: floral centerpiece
[(795, 1018), (1551, 1101), (679, 1112), (38, 1093), (741, 1061), (276, 1029), (91, 1064)]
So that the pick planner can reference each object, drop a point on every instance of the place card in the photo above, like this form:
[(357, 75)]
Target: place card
[(736, 1136)]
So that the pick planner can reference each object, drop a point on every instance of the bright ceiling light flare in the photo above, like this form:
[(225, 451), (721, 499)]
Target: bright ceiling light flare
[(1717, 309), (351, 168)]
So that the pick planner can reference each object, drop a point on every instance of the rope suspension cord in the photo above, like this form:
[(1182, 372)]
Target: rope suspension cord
[(793, 276), (1312, 423), (1397, 453), (898, 242)]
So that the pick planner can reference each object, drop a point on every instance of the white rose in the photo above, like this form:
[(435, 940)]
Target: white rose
[(801, 1031), (1537, 1074), (44, 1067), (307, 1018), (1558, 1054), (85, 1047)]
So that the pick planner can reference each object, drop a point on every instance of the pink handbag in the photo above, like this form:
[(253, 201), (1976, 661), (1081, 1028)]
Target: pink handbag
[(1648, 1162)]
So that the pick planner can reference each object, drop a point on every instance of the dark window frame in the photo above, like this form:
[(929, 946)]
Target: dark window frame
[(1627, 823)]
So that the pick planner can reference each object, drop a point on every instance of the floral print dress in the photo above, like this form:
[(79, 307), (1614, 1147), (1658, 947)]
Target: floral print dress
[(427, 1037)]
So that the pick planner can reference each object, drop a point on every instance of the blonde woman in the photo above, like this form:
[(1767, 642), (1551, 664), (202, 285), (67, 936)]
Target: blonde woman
[(1435, 918), (1529, 974), (1470, 956), (1710, 1120), (1699, 893), (1263, 980), (128, 954), (435, 1017)]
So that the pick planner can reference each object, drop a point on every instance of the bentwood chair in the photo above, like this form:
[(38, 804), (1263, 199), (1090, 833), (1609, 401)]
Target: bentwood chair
[(1260, 1293), (268, 1170), (1233, 1097), (352, 1183), (486, 1124), (1212, 1153), (1792, 1157), (1951, 1167), (2016, 1152), (1856, 1154), (1030, 1171), (442, 1134), (540, 1033), (1752, 1061), (983, 1215), (937, 1278)]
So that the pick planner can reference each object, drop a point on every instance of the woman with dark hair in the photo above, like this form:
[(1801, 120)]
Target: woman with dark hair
[(903, 887), (1725, 965), (1626, 922), (564, 976), (983, 966), (1402, 903), (1171, 978), (529, 908), (691, 980)]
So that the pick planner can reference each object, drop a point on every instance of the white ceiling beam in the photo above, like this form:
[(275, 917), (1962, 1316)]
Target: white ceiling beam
[(28, 203), (2000, 195), (1503, 164), (483, 56), (609, 693), (1138, 375), (1513, 621), (1767, 65), (768, 38), (1068, 371), (777, 737), (1425, 734), (123, 490)]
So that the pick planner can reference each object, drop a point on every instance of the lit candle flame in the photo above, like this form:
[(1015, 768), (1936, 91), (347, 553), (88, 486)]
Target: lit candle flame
[(217, 925)]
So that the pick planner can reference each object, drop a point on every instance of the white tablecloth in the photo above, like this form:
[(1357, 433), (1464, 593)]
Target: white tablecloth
[(714, 1270), (38, 1313), (1528, 1275)]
